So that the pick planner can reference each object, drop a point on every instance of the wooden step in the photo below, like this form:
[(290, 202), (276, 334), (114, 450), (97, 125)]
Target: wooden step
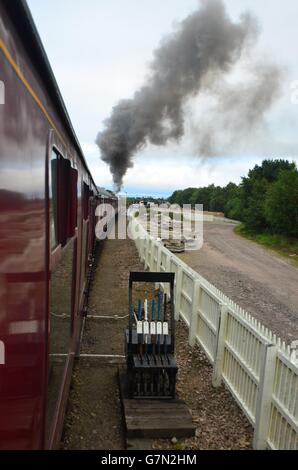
[(154, 418)]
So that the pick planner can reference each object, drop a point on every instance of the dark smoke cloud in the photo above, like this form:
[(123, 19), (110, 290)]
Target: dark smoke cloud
[(206, 43)]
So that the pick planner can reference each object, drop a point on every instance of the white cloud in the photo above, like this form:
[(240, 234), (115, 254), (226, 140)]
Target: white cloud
[(168, 175)]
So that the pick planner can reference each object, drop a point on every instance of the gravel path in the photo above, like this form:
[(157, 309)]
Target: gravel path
[(220, 423), (94, 419), (260, 281)]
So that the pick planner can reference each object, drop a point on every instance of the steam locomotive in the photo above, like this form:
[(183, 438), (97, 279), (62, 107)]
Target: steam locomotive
[(47, 207)]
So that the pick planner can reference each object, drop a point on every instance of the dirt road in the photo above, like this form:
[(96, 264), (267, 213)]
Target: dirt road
[(260, 281)]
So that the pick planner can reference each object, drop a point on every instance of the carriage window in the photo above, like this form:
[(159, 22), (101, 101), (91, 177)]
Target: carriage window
[(53, 200), (73, 203), (85, 201), (63, 200)]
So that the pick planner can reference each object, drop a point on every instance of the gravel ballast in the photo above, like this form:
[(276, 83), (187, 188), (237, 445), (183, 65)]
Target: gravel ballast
[(94, 416)]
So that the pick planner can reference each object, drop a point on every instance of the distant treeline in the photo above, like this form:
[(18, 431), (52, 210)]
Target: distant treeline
[(265, 200)]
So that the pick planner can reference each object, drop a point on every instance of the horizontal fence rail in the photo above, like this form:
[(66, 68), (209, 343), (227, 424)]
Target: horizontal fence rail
[(259, 370)]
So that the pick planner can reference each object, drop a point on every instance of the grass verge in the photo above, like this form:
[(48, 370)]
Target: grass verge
[(285, 246)]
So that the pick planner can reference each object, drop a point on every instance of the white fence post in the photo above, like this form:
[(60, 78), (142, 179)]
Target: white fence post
[(147, 252), (158, 262), (178, 292), (142, 245), (194, 312), (167, 289), (139, 241), (151, 262), (264, 396), (220, 346)]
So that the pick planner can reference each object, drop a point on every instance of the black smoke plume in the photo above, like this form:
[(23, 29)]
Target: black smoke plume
[(206, 43)]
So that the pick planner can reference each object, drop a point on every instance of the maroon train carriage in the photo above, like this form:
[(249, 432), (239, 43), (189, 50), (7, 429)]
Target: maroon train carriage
[(47, 207)]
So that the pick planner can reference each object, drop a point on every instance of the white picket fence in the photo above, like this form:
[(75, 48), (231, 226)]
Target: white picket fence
[(260, 371)]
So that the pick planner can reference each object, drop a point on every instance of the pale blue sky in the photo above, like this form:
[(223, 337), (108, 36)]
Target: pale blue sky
[(100, 50)]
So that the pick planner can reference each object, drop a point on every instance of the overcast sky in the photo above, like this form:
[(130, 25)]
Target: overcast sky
[(100, 50)]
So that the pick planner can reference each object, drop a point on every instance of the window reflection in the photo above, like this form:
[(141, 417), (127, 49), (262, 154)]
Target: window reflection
[(60, 324), (53, 200)]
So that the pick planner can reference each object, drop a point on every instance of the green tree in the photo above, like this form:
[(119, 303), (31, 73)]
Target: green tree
[(270, 169), (218, 199), (254, 189), (253, 192), (234, 204), (262, 200), (281, 204), (175, 197), (187, 195), (203, 196)]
